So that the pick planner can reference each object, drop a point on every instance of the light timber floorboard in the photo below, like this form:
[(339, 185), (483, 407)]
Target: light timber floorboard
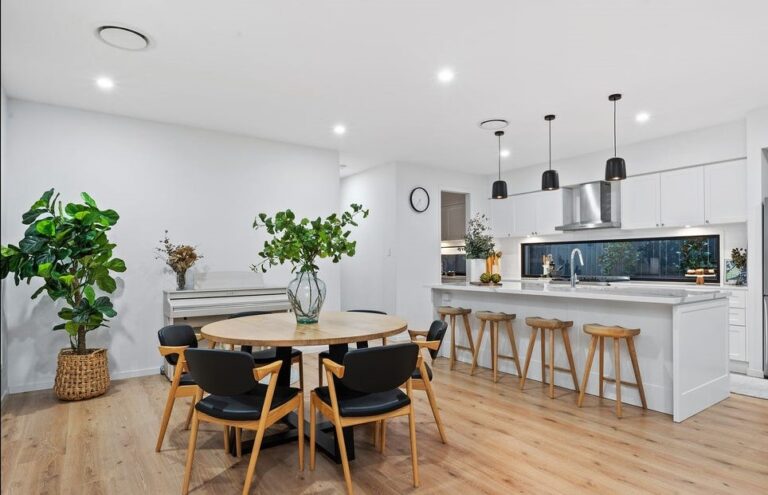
[(500, 440)]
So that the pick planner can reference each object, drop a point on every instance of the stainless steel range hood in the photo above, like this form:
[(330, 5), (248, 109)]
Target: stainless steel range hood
[(594, 205)]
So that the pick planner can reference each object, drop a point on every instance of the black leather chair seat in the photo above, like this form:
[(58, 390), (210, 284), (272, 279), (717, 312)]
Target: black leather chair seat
[(186, 379), (267, 356), (245, 407), (416, 375), (353, 403)]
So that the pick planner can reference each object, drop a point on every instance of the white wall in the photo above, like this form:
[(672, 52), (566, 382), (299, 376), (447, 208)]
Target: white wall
[(399, 251), (368, 279), (3, 223), (757, 189), (205, 187)]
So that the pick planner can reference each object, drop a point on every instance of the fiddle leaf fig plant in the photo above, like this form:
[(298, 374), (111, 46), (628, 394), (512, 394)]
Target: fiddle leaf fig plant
[(301, 242), (68, 249)]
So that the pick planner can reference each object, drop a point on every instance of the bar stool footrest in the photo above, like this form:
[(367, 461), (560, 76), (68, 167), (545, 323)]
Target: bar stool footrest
[(613, 380)]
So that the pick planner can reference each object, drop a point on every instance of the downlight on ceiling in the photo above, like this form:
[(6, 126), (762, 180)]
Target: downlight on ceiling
[(493, 124), (123, 38)]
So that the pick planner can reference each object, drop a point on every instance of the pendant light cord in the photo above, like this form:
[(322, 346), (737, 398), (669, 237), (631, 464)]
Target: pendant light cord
[(499, 156), (550, 145), (614, 128)]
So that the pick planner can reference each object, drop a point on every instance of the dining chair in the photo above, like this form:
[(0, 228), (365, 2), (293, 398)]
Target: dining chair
[(174, 340), (422, 375), (359, 345), (266, 356), (367, 390), (237, 400)]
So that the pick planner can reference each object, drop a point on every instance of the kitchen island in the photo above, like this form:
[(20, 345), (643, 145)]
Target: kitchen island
[(682, 348)]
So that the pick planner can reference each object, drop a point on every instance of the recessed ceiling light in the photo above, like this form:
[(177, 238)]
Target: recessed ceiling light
[(493, 124), (339, 129), (687, 226), (642, 117), (445, 75), (123, 38), (504, 153), (105, 83)]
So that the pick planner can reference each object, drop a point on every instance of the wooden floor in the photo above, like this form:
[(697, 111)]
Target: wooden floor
[(501, 440)]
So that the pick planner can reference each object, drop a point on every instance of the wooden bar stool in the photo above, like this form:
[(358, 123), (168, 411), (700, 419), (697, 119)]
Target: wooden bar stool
[(599, 333), (537, 323), (494, 319), (444, 311)]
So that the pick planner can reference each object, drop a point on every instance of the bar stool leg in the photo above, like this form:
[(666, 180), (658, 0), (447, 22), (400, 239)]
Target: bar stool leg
[(544, 356), (551, 364), (495, 350), (511, 333), (477, 348), (636, 367), (453, 342), (588, 368), (567, 342), (468, 329), (617, 366), (528, 354), (602, 366)]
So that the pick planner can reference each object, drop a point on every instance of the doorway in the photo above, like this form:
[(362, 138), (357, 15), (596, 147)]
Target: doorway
[(453, 226)]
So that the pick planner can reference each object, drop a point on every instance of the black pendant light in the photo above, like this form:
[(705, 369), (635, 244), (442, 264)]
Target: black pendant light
[(550, 181), (499, 190), (615, 168)]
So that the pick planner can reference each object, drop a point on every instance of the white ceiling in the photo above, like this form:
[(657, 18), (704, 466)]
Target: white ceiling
[(290, 70)]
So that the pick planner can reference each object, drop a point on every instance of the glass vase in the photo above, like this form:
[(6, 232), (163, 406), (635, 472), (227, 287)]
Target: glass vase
[(306, 293), (181, 280)]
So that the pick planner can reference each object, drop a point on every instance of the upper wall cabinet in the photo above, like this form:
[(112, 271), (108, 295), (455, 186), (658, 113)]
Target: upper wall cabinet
[(502, 217), (527, 214), (682, 197), (549, 212), (640, 202), (724, 186)]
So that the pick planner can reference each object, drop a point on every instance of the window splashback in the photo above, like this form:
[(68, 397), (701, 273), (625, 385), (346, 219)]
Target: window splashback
[(653, 259)]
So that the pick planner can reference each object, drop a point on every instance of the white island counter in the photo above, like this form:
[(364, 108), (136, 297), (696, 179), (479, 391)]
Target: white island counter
[(682, 348)]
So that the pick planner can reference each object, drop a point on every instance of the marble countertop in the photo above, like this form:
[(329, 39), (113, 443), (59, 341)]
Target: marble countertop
[(638, 294)]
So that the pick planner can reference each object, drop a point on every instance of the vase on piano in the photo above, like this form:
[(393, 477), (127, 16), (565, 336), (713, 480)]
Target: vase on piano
[(306, 294), (181, 280)]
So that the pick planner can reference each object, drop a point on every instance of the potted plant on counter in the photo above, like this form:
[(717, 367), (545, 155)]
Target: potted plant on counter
[(478, 246), (69, 250), (300, 243)]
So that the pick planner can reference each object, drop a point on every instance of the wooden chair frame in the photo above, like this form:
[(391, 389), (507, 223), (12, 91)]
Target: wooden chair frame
[(177, 391), (269, 417), (332, 413), (425, 383)]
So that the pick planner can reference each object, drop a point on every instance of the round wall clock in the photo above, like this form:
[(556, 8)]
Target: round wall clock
[(419, 199)]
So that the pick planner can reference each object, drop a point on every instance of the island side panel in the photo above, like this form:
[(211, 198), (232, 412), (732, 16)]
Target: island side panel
[(700, 348), (654, 344)]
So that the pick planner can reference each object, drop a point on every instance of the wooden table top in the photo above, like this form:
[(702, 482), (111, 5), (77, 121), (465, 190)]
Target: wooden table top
[(281, 329)]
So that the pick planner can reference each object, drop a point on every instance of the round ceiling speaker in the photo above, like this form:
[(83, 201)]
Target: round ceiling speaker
[(493, 124), (123, 38)]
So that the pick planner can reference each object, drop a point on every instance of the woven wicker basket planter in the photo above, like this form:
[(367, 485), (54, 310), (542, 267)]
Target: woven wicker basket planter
[(83, 376)]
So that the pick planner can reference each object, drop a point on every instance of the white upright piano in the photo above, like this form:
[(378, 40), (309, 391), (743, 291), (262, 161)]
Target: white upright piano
[(218, 295)]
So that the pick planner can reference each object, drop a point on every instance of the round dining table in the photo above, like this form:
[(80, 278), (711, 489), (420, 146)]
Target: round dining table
[(336, 329)]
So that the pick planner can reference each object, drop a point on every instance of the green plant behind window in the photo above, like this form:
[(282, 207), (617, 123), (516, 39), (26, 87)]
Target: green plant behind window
[(68, 249), (619, 258), (478, 242), (694, 253), (301, 242)]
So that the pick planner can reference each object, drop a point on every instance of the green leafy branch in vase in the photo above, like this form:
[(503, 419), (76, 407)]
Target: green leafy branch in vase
[(67, 247), (301, 242)]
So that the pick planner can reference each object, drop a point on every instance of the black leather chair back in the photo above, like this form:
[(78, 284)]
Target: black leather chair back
[(372, 311), (247, 313), (221, 372), (176, 335), (379, 369), (436, 332)]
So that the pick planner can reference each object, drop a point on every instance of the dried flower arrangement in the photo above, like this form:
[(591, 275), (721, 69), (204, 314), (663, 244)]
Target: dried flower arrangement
[(179, 257)]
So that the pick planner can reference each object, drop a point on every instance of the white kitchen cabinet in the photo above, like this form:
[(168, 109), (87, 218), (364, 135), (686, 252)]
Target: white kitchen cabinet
[(640, 202), (549, 212), (724, 186), (681, 195), (737, 348), (502, 217), (524, 214)]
